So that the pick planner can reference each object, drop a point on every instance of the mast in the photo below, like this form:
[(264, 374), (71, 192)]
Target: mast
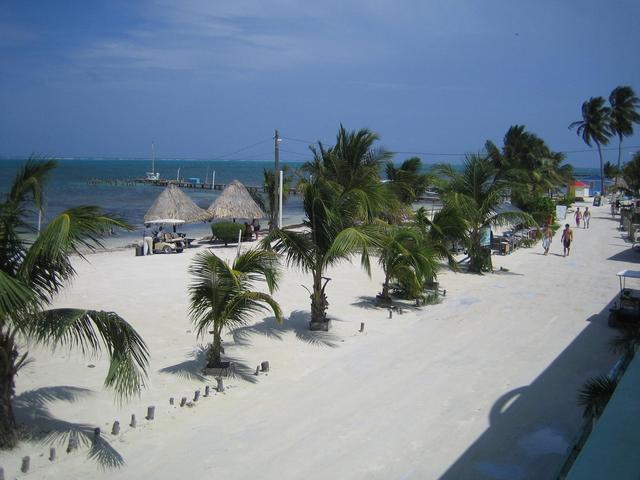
[(153, 158)]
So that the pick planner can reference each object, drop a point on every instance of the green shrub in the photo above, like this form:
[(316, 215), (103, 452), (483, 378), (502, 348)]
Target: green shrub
[(538, 207), (226, 231)]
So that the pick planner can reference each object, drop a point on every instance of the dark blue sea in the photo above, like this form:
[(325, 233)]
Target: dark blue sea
[(69, 186)]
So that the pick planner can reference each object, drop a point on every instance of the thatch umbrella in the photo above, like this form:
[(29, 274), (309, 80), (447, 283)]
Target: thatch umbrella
[(174, 206), (235, 202)]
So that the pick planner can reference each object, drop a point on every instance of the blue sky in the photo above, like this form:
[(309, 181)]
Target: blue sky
[(203, 78)]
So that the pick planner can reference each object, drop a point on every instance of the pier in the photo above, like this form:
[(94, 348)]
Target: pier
[(179, 183)]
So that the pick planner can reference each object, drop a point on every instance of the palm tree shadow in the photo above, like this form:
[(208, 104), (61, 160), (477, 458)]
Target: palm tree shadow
[(190, 369), (193, 368), (32, 411), (367, 302), (298, 323)]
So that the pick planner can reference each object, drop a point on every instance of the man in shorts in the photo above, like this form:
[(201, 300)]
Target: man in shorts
[(547, 236), (567, 237)]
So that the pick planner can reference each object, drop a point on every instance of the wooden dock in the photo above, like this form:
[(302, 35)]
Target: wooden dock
[(179, 183)]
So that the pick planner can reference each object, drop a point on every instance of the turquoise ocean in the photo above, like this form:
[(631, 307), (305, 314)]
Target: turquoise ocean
[(69, 186)]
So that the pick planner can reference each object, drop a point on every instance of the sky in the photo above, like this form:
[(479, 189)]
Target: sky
[(213, 79)]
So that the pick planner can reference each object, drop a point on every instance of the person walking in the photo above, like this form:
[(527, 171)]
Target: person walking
[(147, 241), (578, 217), (256, 227), (567, 237), (547, 237), (586, 216)]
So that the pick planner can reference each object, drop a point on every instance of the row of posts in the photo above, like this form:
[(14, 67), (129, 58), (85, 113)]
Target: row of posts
[(74, 441)]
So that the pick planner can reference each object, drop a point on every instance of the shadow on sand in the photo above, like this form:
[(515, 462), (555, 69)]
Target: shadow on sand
[(32, 412), (298, 323), (532, 427), (629, 255), (192, 368)]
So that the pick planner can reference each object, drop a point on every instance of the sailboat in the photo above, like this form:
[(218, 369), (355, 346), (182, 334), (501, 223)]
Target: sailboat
[(153, 175)]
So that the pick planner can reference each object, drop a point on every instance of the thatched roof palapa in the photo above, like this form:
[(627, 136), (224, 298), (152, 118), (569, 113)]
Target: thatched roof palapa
[(175, 206), (235, 202)]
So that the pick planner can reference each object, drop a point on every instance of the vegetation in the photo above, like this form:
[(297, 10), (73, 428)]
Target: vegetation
[(610, 170), (631, 173), (340, 202), (407, 181), (226, 231), (475, 195), (624, 113), (594, 127), (32, 272), (271, 183), (221, 295), (595, 394)]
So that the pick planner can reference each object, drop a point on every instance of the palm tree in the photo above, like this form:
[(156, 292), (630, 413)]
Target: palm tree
[(624, 113), (33, 271), (222, 297), (631, 173), (475, 195), (407, 181), (594, 127), (330, 236), (408, 258), (595, 394)]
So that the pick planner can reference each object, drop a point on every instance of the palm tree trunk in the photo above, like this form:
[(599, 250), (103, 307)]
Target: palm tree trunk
[(8, 369), (475, 253), (619, 159), (215, 351), (601, 169), (319, 303), (385, 286)]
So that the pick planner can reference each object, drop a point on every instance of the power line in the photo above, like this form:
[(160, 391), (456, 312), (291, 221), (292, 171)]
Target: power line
[(241, 149)]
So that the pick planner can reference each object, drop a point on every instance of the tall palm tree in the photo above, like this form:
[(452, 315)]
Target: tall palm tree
[(33, 271), (332, 234), (594, 127), (624, 113), (222, 296), (476, 194)]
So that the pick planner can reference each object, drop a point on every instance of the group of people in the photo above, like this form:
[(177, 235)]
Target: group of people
[(251, 229), (583, 217), (567, 233)]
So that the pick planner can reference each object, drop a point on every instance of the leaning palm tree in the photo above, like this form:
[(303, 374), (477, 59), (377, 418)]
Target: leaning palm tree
[(624, 113), (594, 127), (476, 194), (33, 271), (222, 296)]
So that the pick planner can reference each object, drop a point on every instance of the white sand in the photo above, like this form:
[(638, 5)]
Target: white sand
[(482, 385)]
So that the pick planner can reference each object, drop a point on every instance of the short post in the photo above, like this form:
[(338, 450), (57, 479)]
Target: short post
[(400, 310), (171, 401), (390, 313), (220, 384), (183, 401), (73, 442), (26, 462), (361, 327), (196, 396), (115, 430), (52, 454), (151, 412), (264, 366), (257, 371), (1, 473), (96, 434), (206, 390), (133, 421)]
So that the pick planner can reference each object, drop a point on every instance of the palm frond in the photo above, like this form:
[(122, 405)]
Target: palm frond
[(89, 330)]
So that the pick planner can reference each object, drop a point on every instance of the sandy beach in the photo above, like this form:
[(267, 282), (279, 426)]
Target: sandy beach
[(480, 386)]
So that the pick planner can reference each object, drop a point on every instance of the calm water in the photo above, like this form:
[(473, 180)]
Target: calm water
[(69, 187)]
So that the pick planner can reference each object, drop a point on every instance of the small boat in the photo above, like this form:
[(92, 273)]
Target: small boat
[(153, 175)]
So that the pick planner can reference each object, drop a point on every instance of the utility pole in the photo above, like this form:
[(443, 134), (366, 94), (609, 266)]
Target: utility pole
[(277, 140)]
